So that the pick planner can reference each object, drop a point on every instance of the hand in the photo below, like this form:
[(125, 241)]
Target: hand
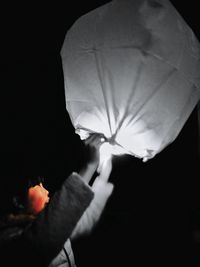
[(93, 143), (101, 186), (102, 191)]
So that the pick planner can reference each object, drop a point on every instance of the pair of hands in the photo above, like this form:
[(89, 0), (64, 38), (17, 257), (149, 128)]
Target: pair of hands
[(101, 187)]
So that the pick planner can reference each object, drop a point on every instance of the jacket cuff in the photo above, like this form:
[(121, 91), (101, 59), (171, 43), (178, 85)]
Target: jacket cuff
[(76, 182)]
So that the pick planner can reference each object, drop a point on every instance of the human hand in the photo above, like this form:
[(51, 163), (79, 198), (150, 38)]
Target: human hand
[(101, 187), (93, 143), (102, 191)]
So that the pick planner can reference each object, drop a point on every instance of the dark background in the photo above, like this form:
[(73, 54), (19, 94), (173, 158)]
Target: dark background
[(155, 206)]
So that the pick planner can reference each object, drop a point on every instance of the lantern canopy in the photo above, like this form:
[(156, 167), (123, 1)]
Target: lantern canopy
[(132, 72)]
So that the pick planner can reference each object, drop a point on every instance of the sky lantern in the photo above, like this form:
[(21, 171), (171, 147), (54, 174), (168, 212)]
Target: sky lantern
[(131, 72)]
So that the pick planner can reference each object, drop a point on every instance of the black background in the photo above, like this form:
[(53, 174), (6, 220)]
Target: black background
[(155, 205)]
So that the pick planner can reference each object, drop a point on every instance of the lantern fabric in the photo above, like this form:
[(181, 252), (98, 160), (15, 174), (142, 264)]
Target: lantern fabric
[(132, 72)]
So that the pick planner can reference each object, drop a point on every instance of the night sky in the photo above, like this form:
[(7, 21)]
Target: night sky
[(155, 205)]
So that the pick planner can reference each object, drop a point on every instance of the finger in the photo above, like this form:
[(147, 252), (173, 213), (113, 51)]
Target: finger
[(89, 139), (106, 169), (102, 188), (110, 188), (95, 140)]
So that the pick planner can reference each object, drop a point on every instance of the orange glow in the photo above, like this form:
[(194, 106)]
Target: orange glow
[(37, 198)]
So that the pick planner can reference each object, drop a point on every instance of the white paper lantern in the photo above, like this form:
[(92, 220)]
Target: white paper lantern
[(132, 72)]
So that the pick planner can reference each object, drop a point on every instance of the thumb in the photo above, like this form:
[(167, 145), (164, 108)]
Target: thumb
[(106, 170), (100, 187)]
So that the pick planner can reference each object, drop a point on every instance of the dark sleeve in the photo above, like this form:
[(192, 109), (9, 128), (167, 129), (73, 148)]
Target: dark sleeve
[(54, 225)]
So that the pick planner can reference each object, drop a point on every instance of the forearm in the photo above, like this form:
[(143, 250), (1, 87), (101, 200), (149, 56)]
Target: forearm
[(93, 213), (56, 223)]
